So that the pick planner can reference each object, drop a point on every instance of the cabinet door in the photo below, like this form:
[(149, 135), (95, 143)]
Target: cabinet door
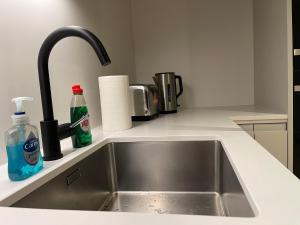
[(274, 139)]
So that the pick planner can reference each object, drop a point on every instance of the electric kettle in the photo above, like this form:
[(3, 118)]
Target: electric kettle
[(167, 89)]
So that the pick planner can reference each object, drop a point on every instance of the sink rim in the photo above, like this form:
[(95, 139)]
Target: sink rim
[(213, 145)]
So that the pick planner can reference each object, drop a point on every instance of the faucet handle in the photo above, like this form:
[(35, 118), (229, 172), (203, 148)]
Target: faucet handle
[(65, 130), (75, 124), (68, 129)]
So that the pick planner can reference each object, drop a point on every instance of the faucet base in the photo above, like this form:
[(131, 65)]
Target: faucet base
[(52, 158), (50, 137)]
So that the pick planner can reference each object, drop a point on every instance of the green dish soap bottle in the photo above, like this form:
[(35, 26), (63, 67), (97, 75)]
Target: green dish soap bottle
[(79, 112)]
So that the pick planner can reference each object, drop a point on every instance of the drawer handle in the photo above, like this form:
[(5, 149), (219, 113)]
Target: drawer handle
[(296, 52), (297, 88)]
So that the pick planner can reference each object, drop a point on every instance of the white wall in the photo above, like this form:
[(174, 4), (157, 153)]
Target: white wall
[(271, 53), (209, 42), (25, 24)]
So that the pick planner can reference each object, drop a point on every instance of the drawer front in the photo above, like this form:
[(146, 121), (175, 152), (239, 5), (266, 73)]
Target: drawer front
[(275, 142), (270, 127), (247, 127)]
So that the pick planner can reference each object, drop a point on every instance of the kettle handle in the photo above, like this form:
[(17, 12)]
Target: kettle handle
[(155, 81), (177, 77)]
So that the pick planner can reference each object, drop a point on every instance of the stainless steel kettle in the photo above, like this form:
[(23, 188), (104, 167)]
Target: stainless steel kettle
[(167, 89)]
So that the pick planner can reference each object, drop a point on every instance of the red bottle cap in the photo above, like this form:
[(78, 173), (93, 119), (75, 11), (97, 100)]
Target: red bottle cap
[(77, 89)]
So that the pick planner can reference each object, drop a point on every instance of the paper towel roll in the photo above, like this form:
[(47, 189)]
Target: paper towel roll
[(115, 102)]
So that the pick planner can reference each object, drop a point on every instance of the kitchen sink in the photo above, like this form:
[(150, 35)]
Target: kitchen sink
[(181, 177)]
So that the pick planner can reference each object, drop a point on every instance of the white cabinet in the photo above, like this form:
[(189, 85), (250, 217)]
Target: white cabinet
[(272, 137)]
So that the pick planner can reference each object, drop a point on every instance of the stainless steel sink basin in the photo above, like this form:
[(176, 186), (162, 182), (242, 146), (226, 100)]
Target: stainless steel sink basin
[(194, 178)]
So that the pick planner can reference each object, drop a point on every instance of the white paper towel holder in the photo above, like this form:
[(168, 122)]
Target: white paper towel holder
[(115, 102)]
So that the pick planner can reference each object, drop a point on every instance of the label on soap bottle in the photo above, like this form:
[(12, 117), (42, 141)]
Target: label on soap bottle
[(85, 125), (32, 151)]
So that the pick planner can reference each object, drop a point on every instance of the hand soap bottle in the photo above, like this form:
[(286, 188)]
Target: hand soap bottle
[(22, 145)]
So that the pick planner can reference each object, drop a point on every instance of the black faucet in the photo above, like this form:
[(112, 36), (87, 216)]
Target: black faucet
[(52, 133)]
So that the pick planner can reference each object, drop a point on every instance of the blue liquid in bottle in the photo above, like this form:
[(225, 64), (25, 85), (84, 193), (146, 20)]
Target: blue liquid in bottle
[(18, 167)]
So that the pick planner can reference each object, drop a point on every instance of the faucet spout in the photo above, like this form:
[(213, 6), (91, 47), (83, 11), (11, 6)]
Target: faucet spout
[(43, 58), (51, 133)]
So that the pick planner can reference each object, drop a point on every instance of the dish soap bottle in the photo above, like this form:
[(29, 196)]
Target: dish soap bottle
[(22, 145), (79, 112)]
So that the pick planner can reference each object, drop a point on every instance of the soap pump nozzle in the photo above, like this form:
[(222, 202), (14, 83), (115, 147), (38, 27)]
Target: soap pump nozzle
[(20, 116)]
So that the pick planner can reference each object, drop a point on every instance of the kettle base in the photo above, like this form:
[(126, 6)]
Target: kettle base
[(168, 112), (144, 118)]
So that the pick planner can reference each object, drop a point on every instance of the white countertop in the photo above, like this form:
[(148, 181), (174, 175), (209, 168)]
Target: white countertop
[(273, 190)]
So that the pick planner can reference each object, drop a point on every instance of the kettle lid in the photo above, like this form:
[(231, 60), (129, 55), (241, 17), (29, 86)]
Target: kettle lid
[(165, 73)]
